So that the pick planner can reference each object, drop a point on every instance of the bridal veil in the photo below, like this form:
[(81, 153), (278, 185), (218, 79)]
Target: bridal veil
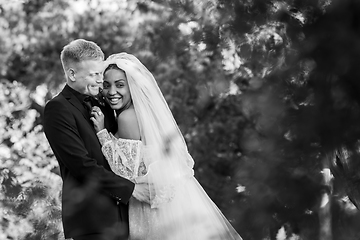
[(177, 197)]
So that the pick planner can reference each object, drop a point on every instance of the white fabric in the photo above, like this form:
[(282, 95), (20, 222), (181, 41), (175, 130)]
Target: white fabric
[(168, 157), (182, 210), (179, 207), (124, 156)]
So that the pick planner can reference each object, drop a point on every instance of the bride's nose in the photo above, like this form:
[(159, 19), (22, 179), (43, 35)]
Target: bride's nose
[(112, 90)]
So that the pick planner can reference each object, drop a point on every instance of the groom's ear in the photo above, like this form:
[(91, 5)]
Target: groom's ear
[(71, 74)]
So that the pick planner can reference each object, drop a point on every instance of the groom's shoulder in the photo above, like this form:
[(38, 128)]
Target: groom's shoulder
[(57, 102), (57, 98)]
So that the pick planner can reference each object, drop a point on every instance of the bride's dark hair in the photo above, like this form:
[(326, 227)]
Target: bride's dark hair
[(112, 66)]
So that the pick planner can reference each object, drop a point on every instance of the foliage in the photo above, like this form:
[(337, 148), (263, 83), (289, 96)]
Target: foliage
[(301, 103), (265, 92), (29, 178)]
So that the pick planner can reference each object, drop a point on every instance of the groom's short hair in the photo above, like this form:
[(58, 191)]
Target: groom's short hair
[(80, 50)]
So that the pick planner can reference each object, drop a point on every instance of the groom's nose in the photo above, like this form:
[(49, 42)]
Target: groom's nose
[(99, 78)]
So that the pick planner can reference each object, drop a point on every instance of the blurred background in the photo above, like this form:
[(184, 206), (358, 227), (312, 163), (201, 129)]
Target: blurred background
[(266, 93)]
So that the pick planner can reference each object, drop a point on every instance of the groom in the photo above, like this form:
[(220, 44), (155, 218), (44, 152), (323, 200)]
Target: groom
[(94, 199)]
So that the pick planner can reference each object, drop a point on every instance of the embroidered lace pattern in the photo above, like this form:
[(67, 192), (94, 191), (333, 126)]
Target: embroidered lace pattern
[(123, 155), (126, 159)]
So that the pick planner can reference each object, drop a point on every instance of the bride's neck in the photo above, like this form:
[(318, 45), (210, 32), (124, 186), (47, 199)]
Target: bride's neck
[(127, 106)]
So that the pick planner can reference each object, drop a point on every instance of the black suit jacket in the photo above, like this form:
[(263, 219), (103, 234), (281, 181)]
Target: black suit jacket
[(94, 199)]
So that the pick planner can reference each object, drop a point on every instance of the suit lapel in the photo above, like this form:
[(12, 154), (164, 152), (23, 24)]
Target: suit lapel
[(77, 104)]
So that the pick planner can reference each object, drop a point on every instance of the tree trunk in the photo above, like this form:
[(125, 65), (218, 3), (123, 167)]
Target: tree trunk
[(325, 205)]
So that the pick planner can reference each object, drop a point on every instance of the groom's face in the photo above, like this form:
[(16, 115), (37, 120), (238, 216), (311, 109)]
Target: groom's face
[(88, 77)]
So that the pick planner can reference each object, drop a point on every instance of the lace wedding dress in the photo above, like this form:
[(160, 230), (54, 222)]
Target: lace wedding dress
[(180, 211)]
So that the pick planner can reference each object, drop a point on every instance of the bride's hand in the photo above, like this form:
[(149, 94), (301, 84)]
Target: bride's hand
[(97, 118), (142, 192)]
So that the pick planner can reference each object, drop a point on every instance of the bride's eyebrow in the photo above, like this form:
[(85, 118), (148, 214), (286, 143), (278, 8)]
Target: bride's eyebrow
[(115, 81)]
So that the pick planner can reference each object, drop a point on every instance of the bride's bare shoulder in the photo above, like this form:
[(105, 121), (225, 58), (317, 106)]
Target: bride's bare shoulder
[(128, 125)]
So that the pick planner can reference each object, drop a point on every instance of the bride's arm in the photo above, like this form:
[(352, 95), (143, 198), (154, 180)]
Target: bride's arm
[(106, 139), (108, 146), (127, 128)]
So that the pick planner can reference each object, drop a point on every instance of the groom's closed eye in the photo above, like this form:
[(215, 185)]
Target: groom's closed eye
[(95, 74)]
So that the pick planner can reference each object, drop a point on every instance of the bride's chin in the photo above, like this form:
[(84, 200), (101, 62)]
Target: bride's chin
[(115, 107)]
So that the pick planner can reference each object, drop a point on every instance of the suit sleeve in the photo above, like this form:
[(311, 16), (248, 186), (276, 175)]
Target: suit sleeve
[(61, 131)]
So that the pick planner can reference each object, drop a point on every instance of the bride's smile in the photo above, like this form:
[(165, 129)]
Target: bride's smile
[(114, 100)]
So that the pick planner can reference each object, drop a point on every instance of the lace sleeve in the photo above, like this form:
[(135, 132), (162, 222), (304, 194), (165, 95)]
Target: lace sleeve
[(104, 137), (119, 154), (108, 142)]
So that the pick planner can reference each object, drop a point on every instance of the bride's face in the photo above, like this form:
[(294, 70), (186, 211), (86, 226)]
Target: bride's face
[(116, 89)]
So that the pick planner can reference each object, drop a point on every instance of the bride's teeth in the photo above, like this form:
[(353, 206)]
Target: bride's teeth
[(114, 100)]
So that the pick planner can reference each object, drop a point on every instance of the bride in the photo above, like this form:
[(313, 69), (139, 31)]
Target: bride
[(149, 148)]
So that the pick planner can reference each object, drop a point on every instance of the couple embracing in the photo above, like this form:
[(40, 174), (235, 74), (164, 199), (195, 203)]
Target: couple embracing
[(126, 170)]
